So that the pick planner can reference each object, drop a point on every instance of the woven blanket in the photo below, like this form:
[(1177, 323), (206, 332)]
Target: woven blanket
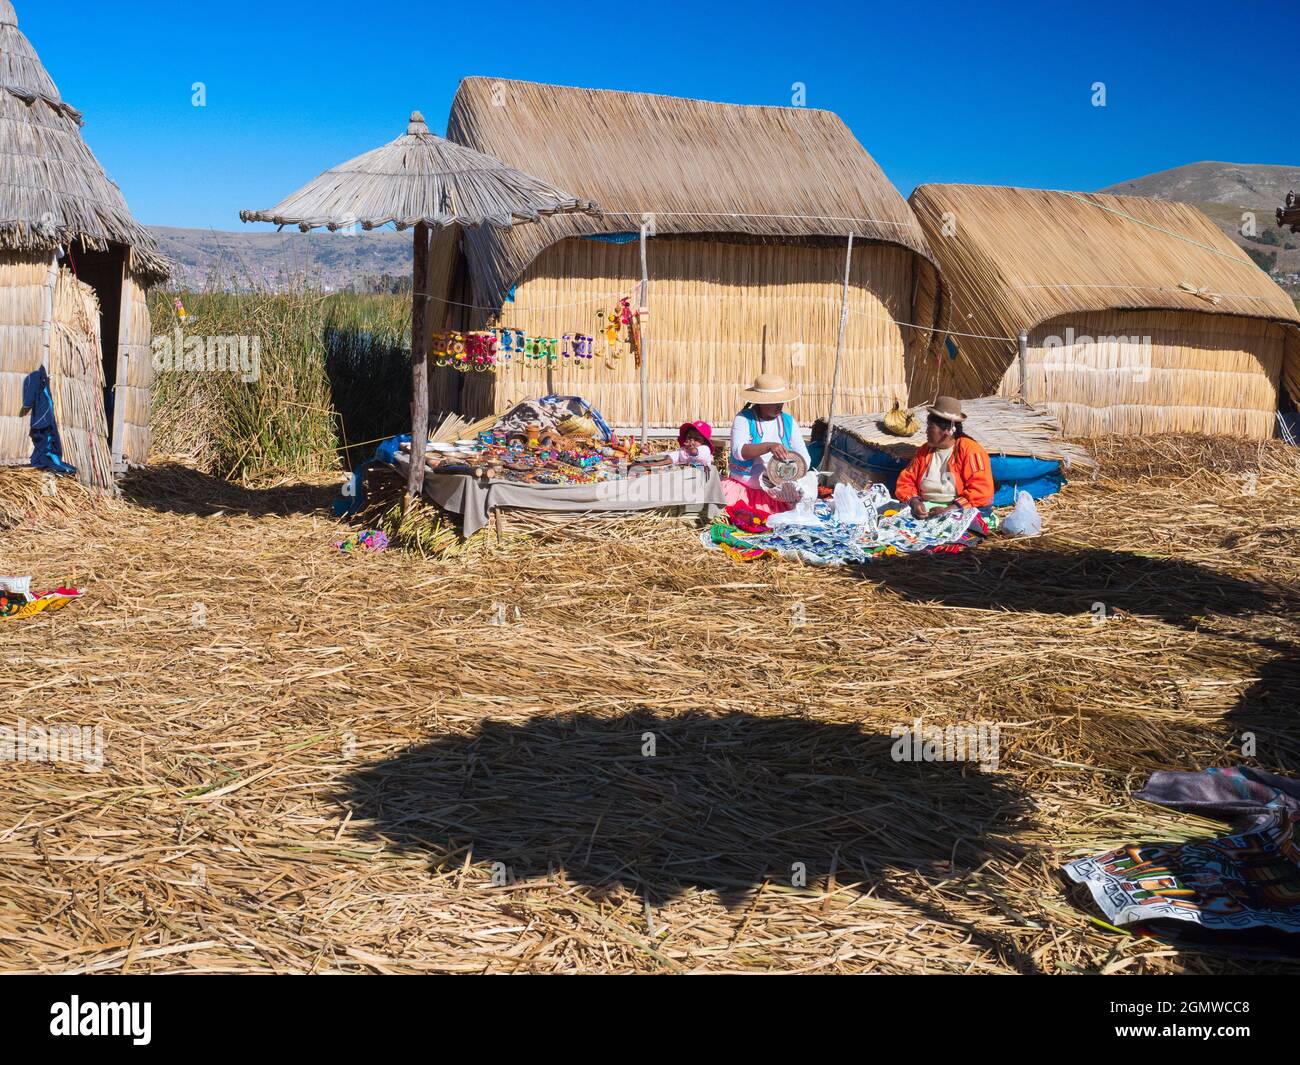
[(833, 543), (1249, 879)]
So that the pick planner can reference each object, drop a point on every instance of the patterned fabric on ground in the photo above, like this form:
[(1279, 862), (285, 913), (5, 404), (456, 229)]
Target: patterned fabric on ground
[(833, 543), (1250, 879)]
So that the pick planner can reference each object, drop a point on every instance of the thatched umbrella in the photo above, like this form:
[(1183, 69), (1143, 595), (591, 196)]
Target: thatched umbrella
[(428, 182)]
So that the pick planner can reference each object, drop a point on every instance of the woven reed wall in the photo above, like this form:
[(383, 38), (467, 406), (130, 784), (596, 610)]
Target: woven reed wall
[(1203, 374), (22, 311), (720, 314), (77, 380), (135, 341), (1012, 257)]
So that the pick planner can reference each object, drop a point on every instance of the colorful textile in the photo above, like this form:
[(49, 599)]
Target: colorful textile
[(47, 446), (1249, 879), (20, 608), (370, 540), (734, 542), (739, 493), (825, 541)]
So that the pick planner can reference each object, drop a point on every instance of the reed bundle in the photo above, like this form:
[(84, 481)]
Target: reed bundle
[(77, 381), (347, 746)]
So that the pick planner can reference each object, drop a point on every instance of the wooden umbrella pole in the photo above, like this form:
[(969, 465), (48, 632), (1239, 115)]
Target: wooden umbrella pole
[(419, 362), (839, 345), (645, 340), (1024, 365)]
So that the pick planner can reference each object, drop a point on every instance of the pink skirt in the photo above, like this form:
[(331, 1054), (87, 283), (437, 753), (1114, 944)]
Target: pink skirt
[(756, 499)]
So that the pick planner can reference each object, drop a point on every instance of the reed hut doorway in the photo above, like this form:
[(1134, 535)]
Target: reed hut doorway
[(102, 271)]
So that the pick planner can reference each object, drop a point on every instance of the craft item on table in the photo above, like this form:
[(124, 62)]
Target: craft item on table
[(572, 425), (369, 540), (650, 464), (1249, 879)]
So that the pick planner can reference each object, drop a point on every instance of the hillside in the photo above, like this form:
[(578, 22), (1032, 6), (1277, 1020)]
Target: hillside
[(1225, 192), (213, 259)]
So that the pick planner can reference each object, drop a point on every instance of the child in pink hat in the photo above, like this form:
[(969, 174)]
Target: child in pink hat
[(694, 445)]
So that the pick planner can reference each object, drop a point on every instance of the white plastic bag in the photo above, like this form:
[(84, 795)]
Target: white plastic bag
[(1024, 520), (851, 508), (802, 515), (16, 586)]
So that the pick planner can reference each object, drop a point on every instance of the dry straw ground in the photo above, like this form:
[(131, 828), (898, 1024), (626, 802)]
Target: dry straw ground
[(316, 763)]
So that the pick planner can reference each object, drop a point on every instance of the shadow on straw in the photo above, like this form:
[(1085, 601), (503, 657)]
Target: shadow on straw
[(1266, 720), (1047, 579), (171, 488), (726, 803)]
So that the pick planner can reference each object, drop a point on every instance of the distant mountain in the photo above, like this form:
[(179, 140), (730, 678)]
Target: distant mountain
[(1249, 185), (215, 259), (1228, 192)]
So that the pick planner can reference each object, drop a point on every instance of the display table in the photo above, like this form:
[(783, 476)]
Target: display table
[(694, 490)]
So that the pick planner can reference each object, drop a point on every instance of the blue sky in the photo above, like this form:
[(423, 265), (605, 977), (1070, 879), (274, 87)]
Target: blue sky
[(980, 92)]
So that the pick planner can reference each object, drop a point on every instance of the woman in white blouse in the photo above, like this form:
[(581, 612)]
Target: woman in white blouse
[(762, 431)]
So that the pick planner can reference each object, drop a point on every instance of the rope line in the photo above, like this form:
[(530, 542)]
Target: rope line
[(1158, 229)]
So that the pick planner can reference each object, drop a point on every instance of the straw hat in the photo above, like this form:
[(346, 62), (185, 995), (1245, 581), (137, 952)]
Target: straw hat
[(947, 408), (769, 388)]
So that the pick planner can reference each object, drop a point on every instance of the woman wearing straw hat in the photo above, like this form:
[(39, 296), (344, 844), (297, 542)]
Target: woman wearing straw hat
[(762, 431), (950, 470)]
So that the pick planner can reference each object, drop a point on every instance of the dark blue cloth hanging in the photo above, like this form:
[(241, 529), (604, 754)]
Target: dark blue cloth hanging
[(47, 448)]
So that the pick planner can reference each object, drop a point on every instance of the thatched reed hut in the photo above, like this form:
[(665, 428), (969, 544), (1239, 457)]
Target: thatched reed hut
[(750, 209), (1142, 315), (74, 269)]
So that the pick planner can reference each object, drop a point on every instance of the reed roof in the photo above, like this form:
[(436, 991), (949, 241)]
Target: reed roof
[(1018, 257), (419, 177), (698, 167), (52, 189)]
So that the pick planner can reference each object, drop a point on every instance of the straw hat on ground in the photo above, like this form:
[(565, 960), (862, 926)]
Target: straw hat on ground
[(769, 388), (947, 408)]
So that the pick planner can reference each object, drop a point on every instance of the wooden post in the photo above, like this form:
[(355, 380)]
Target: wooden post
[(1024, 365), (47, 312), (645, 338), (839, 347), (419, 362), (122, 375)]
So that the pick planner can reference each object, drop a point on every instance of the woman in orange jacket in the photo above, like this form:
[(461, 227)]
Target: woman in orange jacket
[(950, 471)]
